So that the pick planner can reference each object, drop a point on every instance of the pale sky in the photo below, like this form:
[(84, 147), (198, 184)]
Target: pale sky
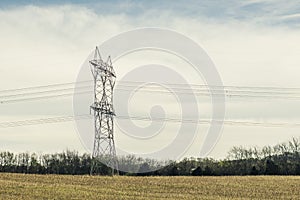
[(252, 43)]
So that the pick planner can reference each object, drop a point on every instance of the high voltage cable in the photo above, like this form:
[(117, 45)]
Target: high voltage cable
[(216, 92), (178, 85), (217, 86), (190, 90), (175, 88), (182, 90), (226, 122), (126, 85), (41, 86), (140, 118), (40, 92), (182, 87), (42, 121), (151, 91), (41, 97)]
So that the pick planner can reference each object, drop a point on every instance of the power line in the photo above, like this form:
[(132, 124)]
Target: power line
[(61, 95), (177, 85), (41, 97), (42, 121), (225, 93), (226, 122), (54, 92), (185, 91), (206, 89), (142, 118), (41, 92), (216, 86), (182, 87), (41, 86)]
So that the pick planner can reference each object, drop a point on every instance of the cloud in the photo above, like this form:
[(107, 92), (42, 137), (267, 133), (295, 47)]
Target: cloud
[(47, 44)]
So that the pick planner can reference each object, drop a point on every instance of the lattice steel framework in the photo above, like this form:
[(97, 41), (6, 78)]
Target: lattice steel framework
[(104, 82)]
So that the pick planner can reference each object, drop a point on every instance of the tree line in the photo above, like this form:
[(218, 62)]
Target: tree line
[(281, 159)]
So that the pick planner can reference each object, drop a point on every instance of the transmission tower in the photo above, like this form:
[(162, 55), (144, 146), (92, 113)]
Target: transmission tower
[(104, 145)]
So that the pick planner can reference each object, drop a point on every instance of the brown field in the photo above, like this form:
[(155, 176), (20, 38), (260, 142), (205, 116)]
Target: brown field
[(20, 186)]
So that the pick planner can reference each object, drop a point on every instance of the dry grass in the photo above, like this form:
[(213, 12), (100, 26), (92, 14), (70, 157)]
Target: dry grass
[(20, 186)]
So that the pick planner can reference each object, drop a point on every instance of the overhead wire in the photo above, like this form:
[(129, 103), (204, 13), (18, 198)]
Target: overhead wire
[(177, 86), (22, 95), (61, 119)]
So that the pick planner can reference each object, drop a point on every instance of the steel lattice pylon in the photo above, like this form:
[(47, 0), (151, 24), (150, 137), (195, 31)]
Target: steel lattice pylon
[(104, 81)]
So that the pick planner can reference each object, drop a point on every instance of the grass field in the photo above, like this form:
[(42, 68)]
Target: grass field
[(20, 186)]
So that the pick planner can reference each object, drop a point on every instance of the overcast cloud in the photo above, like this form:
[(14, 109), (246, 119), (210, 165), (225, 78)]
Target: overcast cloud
[(252, 43)]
